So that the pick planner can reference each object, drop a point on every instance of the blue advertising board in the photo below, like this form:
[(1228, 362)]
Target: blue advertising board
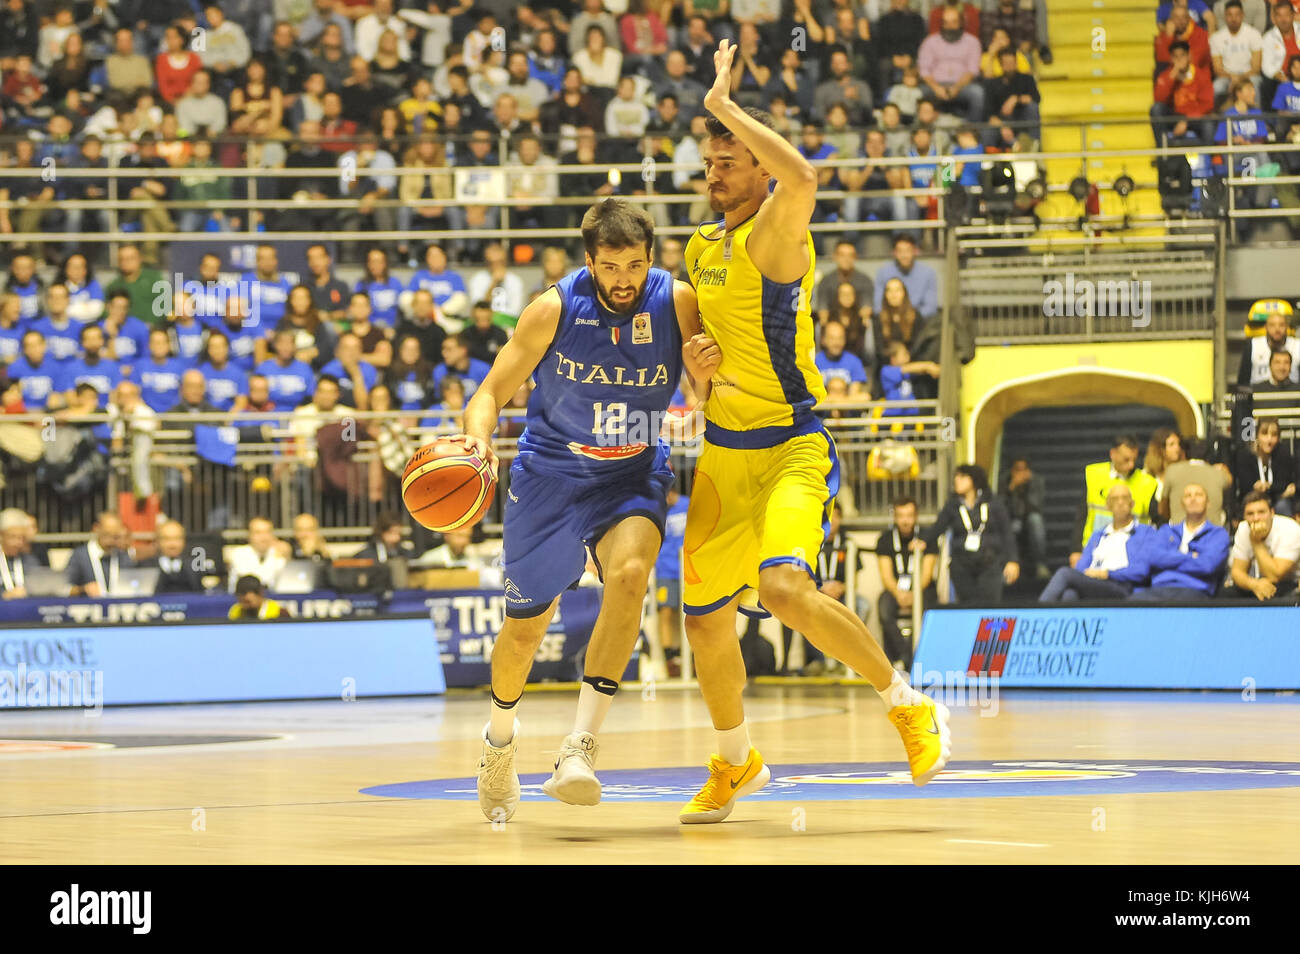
[(1168, 647), (220, 662)]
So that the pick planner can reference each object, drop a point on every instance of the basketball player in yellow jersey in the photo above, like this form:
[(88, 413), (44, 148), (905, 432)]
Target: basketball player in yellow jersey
[(767, 472)]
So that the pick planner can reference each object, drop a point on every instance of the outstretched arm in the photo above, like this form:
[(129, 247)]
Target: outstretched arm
[(778, 243), (514, 363)]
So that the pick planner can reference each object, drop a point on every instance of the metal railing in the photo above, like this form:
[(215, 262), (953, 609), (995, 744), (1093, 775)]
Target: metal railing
[(275, 478)]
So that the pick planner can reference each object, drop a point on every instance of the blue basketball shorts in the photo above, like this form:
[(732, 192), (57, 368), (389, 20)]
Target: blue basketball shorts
[(550, 522)]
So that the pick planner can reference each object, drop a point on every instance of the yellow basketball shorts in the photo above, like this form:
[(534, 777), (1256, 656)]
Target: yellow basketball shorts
[(753, 507)]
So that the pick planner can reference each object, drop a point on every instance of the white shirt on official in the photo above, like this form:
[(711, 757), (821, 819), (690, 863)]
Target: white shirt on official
[(245, 561), (1111, 553)]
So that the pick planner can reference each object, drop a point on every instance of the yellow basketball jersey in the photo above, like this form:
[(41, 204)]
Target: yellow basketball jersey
[(768, 377)]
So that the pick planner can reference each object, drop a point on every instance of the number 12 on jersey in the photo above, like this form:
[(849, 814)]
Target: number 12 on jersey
[(609, 419)]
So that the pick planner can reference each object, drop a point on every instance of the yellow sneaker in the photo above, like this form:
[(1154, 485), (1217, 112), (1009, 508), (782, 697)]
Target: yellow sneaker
[(924, 729), (726, 783)]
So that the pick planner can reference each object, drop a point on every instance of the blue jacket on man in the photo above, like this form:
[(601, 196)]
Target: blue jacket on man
[(1200, 568), (1138, 570)]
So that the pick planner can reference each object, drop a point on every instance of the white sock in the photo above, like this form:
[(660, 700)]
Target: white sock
[(501, 727), (593, 705), (733, 744), (899, 693)]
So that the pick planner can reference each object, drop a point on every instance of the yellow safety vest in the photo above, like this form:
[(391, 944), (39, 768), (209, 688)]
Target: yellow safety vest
[(1099, 478)]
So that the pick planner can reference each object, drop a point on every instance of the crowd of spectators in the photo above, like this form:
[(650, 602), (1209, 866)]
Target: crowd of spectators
[(349, 92)]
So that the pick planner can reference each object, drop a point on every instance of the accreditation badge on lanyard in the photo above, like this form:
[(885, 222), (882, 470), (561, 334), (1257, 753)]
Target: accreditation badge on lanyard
[(972, 533), (902, 568)]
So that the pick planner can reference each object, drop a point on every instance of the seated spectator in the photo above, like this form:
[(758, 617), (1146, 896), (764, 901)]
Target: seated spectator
[(792, 84), (575, 109), (983, 547), (39, 376), (1251, 130), (626, 116), (1093, 513), (422, 323), (897, 37), (1264, 553), (1024, 495), (308, 542), (224, 381), (376, 344), (201, 111), (966, 173), (968, 16), (270, 290), (455, 553), (897, 320), (1281, 42), (179, 570), (844, 88), (1281, 368), (1181, 28), (540, 184), (814, 147), (483, 337), (15, 561), (1164, 448), (1186, 557), (441, 281), (1256, 357), (1014, 19), (1197, 10), (907, 94), (12, 329), (159, 375), (262, 557), (193, 398), (409, 378), (251, 601), (382, 287), (949, 61), (448, 412), (314, 337), (386, 541), (898, 378), (846, 270), (919, 279), (390, 433), (326, 406), (94, 367), (1184, 95), (1112, 562), (854, 313), (424, 194), (1013, 99), (1256, 13), (905, 569), (1215, 481), (94, 566), (834, 362), (600, 64), (1265, 467), (501, 288), (1236, 50), (370, 179), (873, 176), (290, 380), (355, 376)]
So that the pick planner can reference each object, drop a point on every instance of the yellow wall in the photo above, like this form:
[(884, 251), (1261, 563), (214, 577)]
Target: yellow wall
[(1189, 363)]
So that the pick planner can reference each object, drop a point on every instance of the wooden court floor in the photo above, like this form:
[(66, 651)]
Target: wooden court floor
[(1096, 777)]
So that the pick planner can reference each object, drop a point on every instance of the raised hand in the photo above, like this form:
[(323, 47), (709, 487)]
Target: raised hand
[(719, 94)]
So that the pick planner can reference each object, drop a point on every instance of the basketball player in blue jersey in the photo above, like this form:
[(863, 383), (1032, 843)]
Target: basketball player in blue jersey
[(606, 346)]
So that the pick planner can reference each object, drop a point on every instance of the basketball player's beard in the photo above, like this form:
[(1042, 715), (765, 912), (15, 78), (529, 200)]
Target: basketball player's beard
[(607, 300)]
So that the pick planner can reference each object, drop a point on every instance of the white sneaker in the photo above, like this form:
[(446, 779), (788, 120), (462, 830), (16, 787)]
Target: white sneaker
[(498, 782), (574, 780)]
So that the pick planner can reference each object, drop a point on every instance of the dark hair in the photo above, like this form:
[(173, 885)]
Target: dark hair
[(977, 476), (484, 303), (1292, 61), (907, 237), (718, 130), (328, 379), (616, 223), (1279, 351), (1179, 45), (1125, 440), (903, 500), (1197, 448), (1254, 497), (249, 584), (1232, 3), (384, 522)]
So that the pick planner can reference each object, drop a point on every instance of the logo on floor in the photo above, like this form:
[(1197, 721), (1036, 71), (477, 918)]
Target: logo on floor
[(839, 781)]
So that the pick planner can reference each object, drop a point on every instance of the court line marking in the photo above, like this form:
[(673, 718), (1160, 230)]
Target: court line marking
[(1013, 844)]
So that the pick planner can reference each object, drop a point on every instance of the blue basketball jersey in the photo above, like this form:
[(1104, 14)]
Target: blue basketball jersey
[(605, 384)]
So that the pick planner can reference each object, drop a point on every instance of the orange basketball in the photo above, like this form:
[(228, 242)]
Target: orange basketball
[(446, 489)]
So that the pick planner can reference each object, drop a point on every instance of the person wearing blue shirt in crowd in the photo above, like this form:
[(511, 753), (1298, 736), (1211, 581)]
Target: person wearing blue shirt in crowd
[(1113, 561), (384, 290), (545, 62), (814, 148), (38, 376), (456, 360), (668, 580), (268, 289), (290, 381), (348, 367), (967, 173), (225, 381), (159, 375), (242, 339), (12, 329), (93, 367), (447, 413), (24, 283), (1187, 559), (1287, 97), (409, 377), (446, 286), (834, 362), (208, 293), (1199, 9), (922, 173), (62, 335), (187, 333), (918, 278), (896, 379), (85, 294), (126, 334)]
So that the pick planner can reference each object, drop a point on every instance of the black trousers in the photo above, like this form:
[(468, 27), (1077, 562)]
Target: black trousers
[(976, 583), (898, 646)]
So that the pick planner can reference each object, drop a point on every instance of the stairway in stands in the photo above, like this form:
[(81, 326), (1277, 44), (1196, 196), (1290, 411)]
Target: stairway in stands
[(1059, 442), (1101, 76)]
